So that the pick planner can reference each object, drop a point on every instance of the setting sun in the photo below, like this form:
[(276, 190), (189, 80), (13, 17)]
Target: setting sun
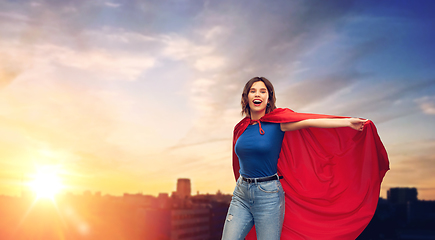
[(46, 183)]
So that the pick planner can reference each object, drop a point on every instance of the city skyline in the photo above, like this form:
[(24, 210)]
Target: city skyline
[(137, 216), (182, 188), (128, 96)]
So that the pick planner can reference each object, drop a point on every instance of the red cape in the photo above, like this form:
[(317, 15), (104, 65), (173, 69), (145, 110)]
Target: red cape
[(332, 177)]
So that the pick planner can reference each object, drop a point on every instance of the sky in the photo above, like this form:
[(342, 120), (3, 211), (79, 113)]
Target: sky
[(128, 96)]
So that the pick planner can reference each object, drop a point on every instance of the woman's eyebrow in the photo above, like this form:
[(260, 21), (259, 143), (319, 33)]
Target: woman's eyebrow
[(252, 88)]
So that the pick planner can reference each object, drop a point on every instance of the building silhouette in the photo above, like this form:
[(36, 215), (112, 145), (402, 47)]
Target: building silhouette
[(402, 195), (182, 216), (183, 188), (401, 217)]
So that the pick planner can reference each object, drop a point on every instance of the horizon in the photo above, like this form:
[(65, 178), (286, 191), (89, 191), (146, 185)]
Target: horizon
[(127, 96), (27, 189), (25, 193)]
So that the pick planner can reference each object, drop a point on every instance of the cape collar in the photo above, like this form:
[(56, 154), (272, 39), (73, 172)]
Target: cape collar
[(259, 125)]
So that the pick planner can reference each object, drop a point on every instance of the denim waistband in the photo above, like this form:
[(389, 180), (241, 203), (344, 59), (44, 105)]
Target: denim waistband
[(261, 179)]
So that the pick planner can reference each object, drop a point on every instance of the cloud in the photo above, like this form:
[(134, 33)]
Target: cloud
[(112, 5), (8, 72), (42, 112), (391, 99), (97, 63), (382, 101), (427, 104), (415, 170), (101, 63), (180, 48), (209, 63), (412, 165), (250, 41), (309, 91), (14, 16)]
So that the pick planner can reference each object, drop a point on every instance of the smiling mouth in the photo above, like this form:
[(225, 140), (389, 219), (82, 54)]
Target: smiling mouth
[(257, 102)]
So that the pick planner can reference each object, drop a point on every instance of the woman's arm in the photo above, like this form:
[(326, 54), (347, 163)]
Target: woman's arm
[(354, 123)]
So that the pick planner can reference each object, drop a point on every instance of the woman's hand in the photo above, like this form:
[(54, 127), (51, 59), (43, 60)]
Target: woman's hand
[(357, 123)]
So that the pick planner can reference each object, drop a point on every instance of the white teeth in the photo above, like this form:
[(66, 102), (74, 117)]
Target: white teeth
[(257, 101)]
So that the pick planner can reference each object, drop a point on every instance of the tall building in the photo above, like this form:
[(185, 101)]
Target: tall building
[(402, 195), (183, 188)]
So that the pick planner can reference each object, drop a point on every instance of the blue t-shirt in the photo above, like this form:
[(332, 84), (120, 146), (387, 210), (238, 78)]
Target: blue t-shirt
[(258, 154)]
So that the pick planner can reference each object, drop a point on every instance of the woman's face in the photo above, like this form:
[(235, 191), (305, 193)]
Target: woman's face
[(258, 97)]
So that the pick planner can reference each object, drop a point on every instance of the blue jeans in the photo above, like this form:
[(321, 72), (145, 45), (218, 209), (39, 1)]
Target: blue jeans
[(257, 203)]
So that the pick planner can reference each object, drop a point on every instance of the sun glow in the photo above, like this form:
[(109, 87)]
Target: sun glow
[(46, 183)]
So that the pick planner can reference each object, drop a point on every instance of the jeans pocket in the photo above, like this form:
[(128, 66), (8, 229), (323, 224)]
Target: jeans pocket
[(268, 187), (239, 181)]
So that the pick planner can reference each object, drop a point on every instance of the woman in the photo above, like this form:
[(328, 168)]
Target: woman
[(265, 136)]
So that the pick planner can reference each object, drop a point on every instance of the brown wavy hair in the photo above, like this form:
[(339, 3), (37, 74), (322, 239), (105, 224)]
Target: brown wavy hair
[(245, 103)]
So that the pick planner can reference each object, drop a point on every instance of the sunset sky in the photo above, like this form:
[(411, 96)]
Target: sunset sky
[(127, 96)]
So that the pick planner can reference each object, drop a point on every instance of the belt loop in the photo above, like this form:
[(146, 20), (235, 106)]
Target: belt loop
[(255, 180)]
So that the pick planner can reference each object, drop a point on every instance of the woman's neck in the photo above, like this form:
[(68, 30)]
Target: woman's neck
[(257, 115)]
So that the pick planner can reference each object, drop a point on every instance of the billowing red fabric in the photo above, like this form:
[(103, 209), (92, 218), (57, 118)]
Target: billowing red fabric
[(332, 177)]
